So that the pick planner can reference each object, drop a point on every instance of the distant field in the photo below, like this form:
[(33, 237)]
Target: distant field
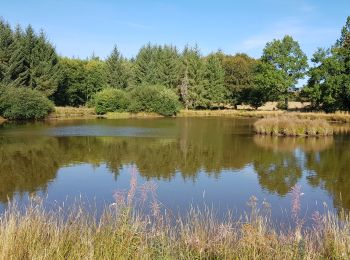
[(270, 106)]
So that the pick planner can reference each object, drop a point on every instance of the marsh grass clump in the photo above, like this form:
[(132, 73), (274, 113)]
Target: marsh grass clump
[(293, 126)]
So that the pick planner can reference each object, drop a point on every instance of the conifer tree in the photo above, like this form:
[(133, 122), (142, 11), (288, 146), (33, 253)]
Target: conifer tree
[(6, 44), (145, 65), (117, 74), (168, 66), (216, 92), (193, 69), (33, 62)]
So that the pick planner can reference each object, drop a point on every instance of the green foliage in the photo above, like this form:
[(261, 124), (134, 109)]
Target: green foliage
[(192, 88), (27, 59), (154, 98), (111, 100), (286, 57), (214, 84), (157, 65), (328, 87), (118, 73), (239, 77), (6, 46), (79, 81), (24, 103)]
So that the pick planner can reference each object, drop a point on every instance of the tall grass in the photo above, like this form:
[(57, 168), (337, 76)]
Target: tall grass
[(292, 126), (72, 112), (122, 232), (342, 117)]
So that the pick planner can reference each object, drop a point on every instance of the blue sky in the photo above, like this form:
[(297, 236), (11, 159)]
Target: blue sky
[(80, 27)]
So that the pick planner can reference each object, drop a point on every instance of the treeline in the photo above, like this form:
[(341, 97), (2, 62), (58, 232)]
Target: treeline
[(163, 79)]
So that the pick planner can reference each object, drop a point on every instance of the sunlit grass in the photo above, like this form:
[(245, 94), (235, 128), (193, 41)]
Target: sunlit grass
[(72, 112), (342, 117), (293, 126), (123, 115)]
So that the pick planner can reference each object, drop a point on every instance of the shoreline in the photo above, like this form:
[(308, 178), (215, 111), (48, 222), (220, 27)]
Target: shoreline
[(69, 113)]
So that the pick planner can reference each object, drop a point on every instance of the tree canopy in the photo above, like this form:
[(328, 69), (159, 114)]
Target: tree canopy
[(217, 80)]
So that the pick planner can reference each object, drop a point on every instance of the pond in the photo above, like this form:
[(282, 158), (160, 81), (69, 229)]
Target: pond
[(217, 162)]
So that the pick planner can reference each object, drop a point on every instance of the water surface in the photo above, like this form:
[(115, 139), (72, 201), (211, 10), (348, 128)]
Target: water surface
[(194, 161)]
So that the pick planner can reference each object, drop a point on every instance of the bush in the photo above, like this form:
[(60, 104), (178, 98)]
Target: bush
[(24, 103), (111, 100), (156, 99), (282, 105)]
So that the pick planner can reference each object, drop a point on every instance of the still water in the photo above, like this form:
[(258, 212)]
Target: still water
[(218, 162)]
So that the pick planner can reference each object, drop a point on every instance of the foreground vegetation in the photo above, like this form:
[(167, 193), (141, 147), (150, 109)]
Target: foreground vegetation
[(292, 126), (162, 79), (121, 232)]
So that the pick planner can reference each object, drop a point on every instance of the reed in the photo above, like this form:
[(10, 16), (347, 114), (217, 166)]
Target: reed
[(293, 126), (122, 232)]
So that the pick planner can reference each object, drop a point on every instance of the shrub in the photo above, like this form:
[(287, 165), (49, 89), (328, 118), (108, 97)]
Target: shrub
[(111, 100), (24, 103), (282, 105), (156, 99)]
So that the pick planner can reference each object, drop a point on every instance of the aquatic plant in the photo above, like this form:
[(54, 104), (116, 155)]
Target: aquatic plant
[(292, 126)]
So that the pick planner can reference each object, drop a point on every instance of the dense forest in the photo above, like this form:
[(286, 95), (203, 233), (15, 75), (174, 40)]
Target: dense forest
[(163, 79)]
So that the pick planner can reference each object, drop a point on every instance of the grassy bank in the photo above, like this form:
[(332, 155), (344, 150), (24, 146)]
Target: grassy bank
[(292, 126), (36, 233), (72, 112), (123, 115), (84, 112), (342, 117)]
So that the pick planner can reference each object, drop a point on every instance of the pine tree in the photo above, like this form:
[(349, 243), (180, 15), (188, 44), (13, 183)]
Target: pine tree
[(168, 66), (6, 43), (193, 68), (117, 75), (45, 68), (18, 72), (145, 70), (33, 62), (216, 92)]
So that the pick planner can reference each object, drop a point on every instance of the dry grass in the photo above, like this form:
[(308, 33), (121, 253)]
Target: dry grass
[(122, 232), (72, 112), (269, 106), (123, 115), (293, 126), (84, 112), (228, 113), (2, 120), (342, 117)]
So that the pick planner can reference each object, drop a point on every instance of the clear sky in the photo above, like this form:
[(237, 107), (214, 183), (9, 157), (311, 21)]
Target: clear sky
[(80, 27)]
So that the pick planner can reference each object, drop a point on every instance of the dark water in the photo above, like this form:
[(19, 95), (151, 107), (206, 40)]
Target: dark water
[(216, 161)]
